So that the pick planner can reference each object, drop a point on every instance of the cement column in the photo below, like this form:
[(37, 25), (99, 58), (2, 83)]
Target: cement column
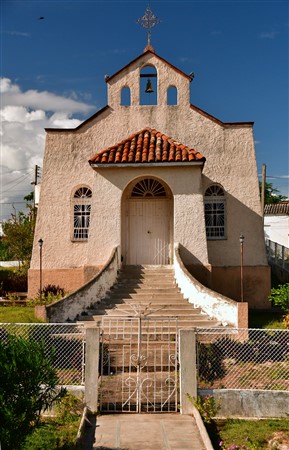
[(91, 368), (188, 369)]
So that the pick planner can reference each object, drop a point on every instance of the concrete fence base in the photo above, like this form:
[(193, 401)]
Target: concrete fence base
[(250, 402)]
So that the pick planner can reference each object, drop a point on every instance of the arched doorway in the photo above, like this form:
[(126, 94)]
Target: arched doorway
[(148, 228)]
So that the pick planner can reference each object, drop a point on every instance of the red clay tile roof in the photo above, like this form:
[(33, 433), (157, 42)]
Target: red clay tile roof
[(277, 209), (147, 146)]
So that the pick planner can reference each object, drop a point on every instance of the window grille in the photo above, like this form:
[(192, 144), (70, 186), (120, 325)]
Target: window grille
[(215, 212), (81, 213), (148, 188)]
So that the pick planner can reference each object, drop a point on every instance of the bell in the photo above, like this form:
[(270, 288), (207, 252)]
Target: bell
[(149, 88)]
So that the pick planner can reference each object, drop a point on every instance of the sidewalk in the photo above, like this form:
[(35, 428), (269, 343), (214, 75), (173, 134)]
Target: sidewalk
[(146, 432)]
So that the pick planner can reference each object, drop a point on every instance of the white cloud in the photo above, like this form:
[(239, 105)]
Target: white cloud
[(13, 96), (268, 35), (17, 33), (24, 115)]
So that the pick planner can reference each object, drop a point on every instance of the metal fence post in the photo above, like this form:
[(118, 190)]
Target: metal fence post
[(91, 368), (188, 369)]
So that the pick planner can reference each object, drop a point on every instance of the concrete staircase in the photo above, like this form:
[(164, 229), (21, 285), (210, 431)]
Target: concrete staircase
[(139, 360), (152, 291)]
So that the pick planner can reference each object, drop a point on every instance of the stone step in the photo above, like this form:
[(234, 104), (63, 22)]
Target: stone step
[(141, 296), (146, 283), (164, 309), (177, 306), (148, 268), (179, 302), (204, 322), (144, 289), (157, 313), (146, 272), (152, 291)]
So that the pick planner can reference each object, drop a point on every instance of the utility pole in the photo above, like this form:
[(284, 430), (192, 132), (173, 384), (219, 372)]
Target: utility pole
[(36, 175), (263, 189), (35, 182)]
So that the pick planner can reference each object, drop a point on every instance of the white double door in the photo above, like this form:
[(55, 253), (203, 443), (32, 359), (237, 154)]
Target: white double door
[(148, 231)]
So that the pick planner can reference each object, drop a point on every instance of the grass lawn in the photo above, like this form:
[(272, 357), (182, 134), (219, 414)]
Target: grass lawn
[(262, 434), (17, 314), (52, 434)]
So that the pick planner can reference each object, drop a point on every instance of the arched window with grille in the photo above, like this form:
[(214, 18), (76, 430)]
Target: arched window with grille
[(215, 206), (81, 213), (148, 188)]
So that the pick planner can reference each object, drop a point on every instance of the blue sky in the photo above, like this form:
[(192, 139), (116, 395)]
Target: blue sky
[(52, 71)]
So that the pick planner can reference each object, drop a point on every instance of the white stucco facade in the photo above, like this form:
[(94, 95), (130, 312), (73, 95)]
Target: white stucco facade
[(277, 229), (230, 163)]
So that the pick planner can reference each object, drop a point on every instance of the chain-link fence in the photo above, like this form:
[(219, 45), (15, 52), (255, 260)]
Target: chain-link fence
[(65, 343), (277, 254), (243, 359)]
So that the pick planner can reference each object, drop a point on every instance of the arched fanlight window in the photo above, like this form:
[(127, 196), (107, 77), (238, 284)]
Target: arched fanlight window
[(148, 85), (215, 212), (172, 95), (125, 96), (81, 213), (148, 188)]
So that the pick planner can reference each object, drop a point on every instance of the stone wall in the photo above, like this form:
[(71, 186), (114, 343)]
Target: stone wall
[(92, 292), (221, 308), (250, 402)]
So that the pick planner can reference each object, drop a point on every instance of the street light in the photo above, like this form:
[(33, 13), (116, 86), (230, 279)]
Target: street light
[(40, 243), (241, 239)]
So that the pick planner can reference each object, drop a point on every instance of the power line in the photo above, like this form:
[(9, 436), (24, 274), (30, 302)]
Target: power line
[(22, 179), (15, 170)]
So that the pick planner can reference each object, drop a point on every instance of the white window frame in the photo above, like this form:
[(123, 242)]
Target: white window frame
[(215, 212), (81, 213)]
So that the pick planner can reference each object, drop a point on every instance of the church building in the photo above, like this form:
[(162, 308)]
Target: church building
[(148, 171)]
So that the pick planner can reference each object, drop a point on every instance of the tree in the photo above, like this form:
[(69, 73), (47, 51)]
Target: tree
[(19, 232), (272, 195), (27, 386)]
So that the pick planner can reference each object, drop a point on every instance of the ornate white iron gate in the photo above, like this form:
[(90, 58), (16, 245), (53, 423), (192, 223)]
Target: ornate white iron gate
[(139, 365)]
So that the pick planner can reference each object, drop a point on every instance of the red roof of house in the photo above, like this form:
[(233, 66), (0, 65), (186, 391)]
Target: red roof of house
[(147, 146), (277, 209)]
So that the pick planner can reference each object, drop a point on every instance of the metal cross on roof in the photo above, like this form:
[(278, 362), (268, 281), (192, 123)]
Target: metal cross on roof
[(148, 21)]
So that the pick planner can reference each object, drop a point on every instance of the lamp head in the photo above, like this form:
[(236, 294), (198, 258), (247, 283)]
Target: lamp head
[(40, 243)]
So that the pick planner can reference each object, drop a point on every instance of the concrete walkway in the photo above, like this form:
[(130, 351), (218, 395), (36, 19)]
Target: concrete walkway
[(146, 432)]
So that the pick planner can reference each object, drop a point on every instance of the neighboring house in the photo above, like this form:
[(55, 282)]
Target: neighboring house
[(276, 223), (145, 172)]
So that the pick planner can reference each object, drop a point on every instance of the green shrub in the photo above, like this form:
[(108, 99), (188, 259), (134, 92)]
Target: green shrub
[(50, 294), (207, 406), (210, 365), (280, 296), (13, 280), (52, 289), (60, 431), (27, 386)]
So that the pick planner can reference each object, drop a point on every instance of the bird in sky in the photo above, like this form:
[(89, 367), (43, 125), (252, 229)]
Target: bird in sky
[(40, 18)]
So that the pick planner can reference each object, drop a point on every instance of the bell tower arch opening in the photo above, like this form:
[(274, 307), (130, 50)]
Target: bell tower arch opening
[(148, 85)]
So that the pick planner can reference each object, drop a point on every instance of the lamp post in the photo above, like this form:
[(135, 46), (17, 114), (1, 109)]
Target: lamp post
[(241, 239), (40, 243)]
